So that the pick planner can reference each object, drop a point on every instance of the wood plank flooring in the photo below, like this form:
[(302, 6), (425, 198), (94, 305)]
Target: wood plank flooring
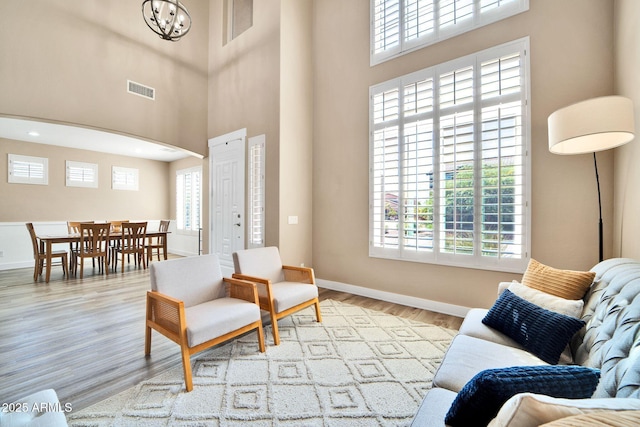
[(85, 338)]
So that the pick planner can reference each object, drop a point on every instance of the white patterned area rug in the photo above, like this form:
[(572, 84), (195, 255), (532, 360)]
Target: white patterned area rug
[(359, 367)]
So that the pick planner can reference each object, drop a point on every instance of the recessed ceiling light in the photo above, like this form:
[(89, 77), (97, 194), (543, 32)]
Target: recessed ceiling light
[(33, 133)]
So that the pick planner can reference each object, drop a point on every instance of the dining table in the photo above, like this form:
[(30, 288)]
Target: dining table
[(48, 240)]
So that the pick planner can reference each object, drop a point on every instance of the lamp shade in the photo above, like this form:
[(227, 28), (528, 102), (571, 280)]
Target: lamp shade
[(593, 125)]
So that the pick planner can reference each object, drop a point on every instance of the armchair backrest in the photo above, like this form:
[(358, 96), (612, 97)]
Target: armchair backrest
[(193, 280), (259, 262)]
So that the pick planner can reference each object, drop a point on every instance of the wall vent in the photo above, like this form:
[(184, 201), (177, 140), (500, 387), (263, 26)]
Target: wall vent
[(141, 90)]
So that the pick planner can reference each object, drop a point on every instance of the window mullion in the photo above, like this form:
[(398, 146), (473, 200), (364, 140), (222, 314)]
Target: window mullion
[(401, 169), (437, 209), (477, 155)]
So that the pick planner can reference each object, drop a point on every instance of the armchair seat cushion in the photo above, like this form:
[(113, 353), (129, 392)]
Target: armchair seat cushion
[(290, 294), (231, 314)]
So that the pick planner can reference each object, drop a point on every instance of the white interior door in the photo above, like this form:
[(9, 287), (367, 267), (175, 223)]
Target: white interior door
[(227, 172)]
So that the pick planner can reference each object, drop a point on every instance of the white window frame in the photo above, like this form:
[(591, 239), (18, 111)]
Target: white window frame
[(401, 23), (28, 170), (389, 124), (256, 193), (81, 174), (125, 178), (195, 198)]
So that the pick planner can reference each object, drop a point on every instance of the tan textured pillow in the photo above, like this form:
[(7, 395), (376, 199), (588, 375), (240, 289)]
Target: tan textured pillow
[(599, 419), (566, 284)]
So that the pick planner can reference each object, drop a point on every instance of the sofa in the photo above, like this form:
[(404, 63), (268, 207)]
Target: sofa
[(478, 370)]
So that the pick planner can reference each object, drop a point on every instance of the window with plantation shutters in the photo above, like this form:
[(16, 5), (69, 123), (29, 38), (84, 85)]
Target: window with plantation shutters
[(189, 200), (400, 26), (28, 170), (80, 174), (124, 178), (448, 162), (256, 188)]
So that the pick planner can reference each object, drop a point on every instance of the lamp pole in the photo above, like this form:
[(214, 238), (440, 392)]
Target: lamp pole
[(600, 249)]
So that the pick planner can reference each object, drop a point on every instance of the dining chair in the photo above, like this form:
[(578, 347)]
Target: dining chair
[(94, 243), (282, 289), (40, 256), (116, 226), (73, 227), (132, 242), (194, 306), (158, 243)]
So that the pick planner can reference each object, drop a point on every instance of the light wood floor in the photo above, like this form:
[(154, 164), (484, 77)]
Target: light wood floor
[(85, 338)]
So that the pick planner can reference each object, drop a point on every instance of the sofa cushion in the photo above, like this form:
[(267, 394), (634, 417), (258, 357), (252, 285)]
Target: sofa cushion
[(532, 410), (568, 307), (433, 408), (472, 326), (466, 356), (542, 332), (481, 398), (599, 419), (567, 284), (611, 340)]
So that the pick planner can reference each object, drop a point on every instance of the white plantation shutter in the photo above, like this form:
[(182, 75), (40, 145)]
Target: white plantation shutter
[(80, 174), (386, 26), (188, 199), (449, 162), (124, 178), (28, 170), (399, 26), (256, 191)]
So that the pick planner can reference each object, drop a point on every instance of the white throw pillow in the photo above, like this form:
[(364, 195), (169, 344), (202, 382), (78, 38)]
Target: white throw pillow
[(550, 302), (532, 410)]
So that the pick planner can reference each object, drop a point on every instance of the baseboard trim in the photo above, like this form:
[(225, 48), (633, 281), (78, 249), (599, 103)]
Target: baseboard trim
[(16, 265), (424, 304)]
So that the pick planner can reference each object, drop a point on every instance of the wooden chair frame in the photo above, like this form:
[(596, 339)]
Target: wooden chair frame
[(291, 274), (158, 244), (94, 243), (134, 235), (40, 256), (166, 315)]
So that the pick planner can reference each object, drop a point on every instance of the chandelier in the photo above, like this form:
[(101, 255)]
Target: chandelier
[(167, 18)]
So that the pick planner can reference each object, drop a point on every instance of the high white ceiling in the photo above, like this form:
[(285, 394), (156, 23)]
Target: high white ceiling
[(87, 139)]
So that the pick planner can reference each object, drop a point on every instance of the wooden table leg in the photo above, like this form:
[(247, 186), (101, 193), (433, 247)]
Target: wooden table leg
[(48, 261), (164, 247)]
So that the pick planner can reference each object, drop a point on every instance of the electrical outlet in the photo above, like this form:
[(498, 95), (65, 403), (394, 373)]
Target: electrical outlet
[(1, 254)]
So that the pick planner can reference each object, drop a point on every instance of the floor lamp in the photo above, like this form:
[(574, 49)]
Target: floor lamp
[(593, 125)]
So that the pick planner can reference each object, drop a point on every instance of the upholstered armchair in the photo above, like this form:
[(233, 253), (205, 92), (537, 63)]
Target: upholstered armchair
[(193, 305), (282, 289)]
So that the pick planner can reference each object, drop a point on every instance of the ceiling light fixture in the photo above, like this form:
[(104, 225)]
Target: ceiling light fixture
[(167, 18), (33, 133)]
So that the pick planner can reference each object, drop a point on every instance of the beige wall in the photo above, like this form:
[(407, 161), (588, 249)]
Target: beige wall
[(627, 158), (264, 81), (244, 90), (571, 59), (57, 202), (296, 131), (69, 61)]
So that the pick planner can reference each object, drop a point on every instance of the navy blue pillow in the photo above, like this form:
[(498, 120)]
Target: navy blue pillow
[(481, 398), (542, 332)]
